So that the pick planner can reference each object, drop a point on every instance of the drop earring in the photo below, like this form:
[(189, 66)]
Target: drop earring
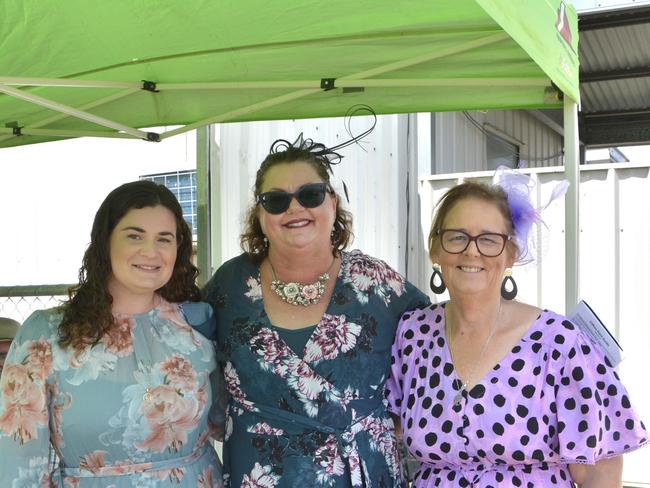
[(507, 278), (437, 273)]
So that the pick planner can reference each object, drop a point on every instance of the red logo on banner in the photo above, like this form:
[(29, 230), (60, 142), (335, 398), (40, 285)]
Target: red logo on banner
[(563, 26)]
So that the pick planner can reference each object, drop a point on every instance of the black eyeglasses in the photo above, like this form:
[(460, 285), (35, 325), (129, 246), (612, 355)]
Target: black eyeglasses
[(309, 196), (489, 244)]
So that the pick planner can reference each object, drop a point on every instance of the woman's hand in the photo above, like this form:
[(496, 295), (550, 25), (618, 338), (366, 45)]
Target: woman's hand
[(606, 473)]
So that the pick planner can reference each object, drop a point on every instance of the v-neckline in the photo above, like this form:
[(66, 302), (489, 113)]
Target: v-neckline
[(269, 325), (456, 377)]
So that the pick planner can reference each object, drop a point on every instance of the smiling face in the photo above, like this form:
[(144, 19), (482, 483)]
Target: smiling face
[(298, 227), (470, 272), (143, 251)]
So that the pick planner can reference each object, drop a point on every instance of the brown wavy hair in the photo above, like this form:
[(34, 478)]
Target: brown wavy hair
[(489, 193), (87, 313), (252, 239)]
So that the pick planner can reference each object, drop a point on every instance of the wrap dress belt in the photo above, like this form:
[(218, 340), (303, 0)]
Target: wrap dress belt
[(133, 468), (345, 437), (474, 473)]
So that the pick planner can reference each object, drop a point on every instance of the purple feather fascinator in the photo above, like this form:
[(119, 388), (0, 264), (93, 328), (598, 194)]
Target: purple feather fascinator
[(519, 189)]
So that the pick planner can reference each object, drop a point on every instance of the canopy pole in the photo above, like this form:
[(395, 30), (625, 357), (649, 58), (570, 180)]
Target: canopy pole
[(204, 137), (241, 111), (572, 204), (387, 68), (68, 82), (88, 106), (28, 131), (540, 81), (59, 107)]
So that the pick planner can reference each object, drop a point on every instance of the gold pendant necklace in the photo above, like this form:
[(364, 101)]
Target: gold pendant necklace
[(295, 293), (463, 387)]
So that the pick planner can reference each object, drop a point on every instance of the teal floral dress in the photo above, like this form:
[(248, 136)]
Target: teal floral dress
[(316, 417), (136, 410)]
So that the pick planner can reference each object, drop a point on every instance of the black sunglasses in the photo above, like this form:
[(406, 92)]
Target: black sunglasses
[(309, 196)]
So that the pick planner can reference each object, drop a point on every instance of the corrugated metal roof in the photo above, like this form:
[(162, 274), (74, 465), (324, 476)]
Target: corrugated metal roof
[(615, 76)]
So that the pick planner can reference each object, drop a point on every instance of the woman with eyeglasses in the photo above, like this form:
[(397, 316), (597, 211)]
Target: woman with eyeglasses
[(304, 330), (493, 392)]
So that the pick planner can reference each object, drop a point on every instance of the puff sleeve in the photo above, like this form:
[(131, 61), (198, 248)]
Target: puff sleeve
[(25, 387), (200, 317), (596, 419)]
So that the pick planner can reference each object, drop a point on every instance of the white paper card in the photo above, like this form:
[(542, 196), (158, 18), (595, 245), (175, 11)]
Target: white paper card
[(584, 317)]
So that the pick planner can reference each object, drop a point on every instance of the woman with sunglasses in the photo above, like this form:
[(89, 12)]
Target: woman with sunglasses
[(494, 392), (304, 330)]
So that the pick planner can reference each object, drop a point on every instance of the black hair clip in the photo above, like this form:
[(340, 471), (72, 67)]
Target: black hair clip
[(329, 155)]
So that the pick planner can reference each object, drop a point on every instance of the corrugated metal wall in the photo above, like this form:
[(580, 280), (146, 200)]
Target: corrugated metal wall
[(614, 263), (460, 146)]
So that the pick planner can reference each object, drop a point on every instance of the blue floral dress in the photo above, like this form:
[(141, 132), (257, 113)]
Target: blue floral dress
[(316, 418), (135, 410)]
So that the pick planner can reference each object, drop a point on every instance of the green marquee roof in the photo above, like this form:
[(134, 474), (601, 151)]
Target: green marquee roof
[(77, 67)]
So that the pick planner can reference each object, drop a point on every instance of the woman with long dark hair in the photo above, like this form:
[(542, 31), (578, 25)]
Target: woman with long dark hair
[(115, 384)]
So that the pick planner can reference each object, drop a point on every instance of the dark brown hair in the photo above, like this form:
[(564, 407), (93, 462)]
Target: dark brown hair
[(87, 314), (252, 239), (489, 193)]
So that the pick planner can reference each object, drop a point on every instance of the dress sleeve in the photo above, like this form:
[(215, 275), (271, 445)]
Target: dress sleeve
[(27, 379), (217, 414), (414, 298), (201, 317), (595, 417)]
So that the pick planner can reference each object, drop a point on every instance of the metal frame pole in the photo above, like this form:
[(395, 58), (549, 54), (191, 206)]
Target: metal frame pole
[(572, 204)]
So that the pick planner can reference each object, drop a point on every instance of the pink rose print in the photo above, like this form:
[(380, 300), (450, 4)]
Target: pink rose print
[(268, 345), (69, 482), (206, 479), (93, 461), (333, 335), (170, 418), (372, 275), (60, 401), (232, 386), (175, 475), (260, 477), (264, 429), (118, 338), (180, 373), (254, 288), (327, 456), (25, 408), (39, 358)]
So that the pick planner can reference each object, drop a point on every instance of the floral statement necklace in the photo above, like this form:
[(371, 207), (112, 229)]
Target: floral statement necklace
[(298, 294)]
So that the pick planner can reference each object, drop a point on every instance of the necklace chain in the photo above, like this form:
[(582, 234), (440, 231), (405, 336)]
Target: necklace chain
[(463, 387), (295, 293)]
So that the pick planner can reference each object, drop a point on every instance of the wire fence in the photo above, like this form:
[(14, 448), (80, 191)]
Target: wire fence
[(18, 302)]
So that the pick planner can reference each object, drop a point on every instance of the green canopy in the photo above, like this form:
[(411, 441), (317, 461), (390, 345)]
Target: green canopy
[(71, 68)]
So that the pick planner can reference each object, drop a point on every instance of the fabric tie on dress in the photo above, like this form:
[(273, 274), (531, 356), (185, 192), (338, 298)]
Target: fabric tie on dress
[(343, 434), (474, 473), (131, 468)]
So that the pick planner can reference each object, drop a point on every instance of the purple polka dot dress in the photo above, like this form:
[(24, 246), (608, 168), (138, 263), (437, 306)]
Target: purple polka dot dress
[(553, 400)]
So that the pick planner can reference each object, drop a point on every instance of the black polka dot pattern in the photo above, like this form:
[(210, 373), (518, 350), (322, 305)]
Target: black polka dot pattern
[(552, 401)]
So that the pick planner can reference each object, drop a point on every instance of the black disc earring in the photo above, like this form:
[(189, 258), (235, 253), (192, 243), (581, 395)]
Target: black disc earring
[(507, 278), (437, 272)]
